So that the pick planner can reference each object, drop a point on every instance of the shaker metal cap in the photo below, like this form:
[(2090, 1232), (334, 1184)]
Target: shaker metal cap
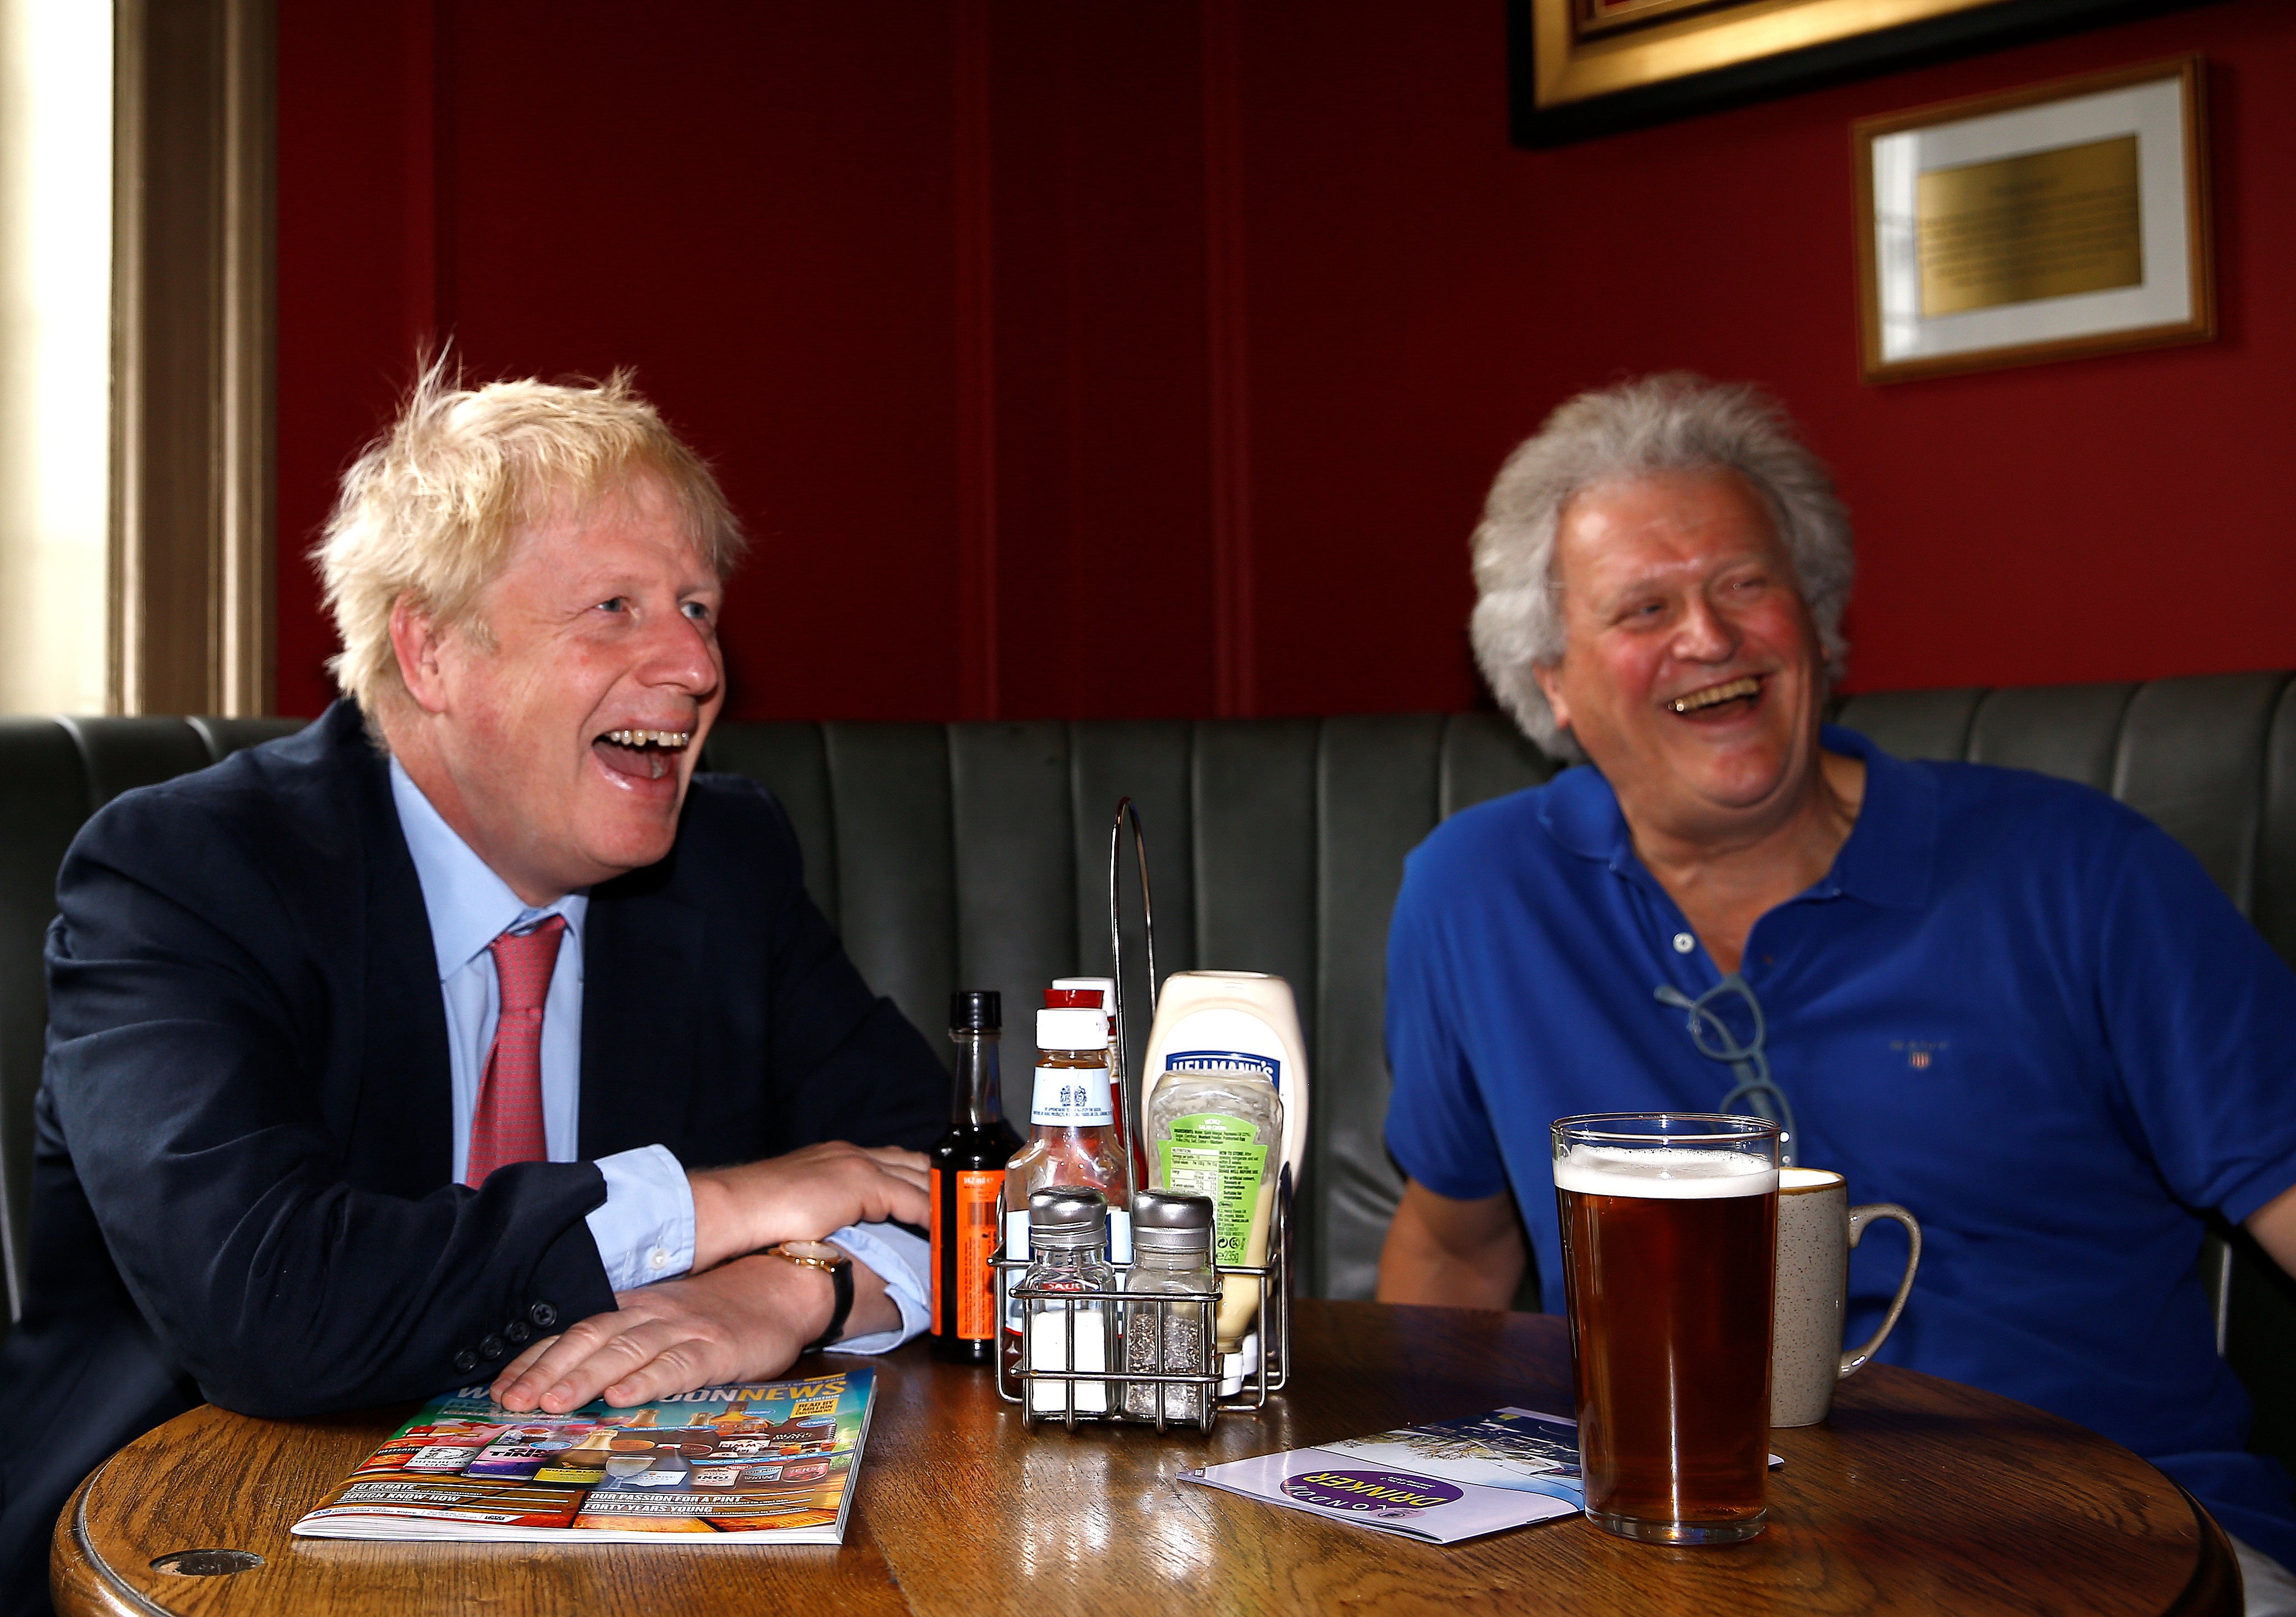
[(1067, 1216), (1172, 1220)]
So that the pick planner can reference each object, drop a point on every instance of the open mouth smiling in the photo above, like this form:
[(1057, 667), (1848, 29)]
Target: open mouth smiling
[(1746, 688), (648, 754)]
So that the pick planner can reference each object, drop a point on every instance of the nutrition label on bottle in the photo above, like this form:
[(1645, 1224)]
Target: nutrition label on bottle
[(1220, 1157)]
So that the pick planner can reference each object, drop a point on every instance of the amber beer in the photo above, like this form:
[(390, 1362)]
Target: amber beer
[(1669, 1252)]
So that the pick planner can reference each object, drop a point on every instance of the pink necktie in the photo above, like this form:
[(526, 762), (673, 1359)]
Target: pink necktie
[(507, 1126)]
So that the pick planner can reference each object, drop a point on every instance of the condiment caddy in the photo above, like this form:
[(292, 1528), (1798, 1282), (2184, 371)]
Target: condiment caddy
[(1168, 1311)]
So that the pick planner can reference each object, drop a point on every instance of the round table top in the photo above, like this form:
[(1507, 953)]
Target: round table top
[(1917, 1496)]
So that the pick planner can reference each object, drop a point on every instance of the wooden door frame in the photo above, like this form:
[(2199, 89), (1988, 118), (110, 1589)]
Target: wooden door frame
[(192, 518)]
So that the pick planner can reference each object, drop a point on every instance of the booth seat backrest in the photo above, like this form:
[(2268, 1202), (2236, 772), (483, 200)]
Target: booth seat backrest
[(976, 855), (54, 774)]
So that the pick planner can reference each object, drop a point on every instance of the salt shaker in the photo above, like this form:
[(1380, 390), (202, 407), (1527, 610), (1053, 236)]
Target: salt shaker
[(1172, 1263), (1067, 1243)]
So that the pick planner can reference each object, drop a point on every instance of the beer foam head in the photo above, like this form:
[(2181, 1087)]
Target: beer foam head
[(1662, 1172)]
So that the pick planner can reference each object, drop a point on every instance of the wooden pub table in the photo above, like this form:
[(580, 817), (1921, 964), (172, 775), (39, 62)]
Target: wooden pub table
[(1919, 1496)]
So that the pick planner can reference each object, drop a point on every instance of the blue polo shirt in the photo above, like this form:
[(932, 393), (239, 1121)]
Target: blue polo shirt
[(2016, 1007)]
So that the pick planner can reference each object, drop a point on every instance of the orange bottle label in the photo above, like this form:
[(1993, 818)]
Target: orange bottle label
[(976, 1237), (975, 1306)]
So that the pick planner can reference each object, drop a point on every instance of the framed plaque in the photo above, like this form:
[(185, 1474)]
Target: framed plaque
[(1584, 67), (2054, 222)]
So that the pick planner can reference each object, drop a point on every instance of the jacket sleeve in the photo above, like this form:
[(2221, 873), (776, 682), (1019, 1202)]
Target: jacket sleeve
[(191, 1035)]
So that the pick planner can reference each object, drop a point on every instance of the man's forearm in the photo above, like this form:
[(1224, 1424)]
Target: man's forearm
[(2274, 1226), (802, 1196), (1464, 1254), (1426, 1271), (743, 1321)]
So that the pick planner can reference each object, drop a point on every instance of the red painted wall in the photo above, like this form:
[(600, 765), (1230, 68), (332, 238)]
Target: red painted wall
[(1108, 360)]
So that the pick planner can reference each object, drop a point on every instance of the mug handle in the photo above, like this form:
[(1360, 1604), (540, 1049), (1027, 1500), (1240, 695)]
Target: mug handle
[(1859, 1217)]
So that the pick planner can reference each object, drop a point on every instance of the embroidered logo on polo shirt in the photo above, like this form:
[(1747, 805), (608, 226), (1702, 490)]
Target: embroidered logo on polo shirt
[(1918, 1052)]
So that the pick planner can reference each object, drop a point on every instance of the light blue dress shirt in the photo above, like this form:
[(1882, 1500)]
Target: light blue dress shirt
[(644, 1230)]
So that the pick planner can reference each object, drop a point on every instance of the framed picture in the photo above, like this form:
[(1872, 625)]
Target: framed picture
[(1583, 68), (2050, 222)]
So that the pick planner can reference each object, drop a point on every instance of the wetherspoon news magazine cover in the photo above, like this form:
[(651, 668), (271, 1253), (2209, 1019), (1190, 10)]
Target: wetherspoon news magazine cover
[(732, 1464)]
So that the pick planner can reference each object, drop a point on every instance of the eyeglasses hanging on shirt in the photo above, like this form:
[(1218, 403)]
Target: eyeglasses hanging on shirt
[(1716, 1041)]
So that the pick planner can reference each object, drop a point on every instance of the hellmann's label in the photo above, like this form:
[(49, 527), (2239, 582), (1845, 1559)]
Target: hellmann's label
[(1220, 1060), (1220, 1157), (1072, 1096)]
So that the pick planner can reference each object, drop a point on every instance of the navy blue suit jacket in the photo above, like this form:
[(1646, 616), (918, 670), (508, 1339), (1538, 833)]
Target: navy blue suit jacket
[(241, 1190)]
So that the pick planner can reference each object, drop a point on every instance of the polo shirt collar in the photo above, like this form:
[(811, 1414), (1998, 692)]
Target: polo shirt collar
[(1889, 859), (469, 905)]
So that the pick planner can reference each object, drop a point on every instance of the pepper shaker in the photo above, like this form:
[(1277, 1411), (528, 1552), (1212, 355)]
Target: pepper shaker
[(1171, 1333)]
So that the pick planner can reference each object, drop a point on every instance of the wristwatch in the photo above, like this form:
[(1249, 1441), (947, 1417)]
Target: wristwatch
[(838, 1266)]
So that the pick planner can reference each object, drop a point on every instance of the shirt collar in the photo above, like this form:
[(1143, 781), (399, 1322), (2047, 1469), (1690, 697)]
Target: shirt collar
[(469, 905), (1891, 854), (1888, 859)]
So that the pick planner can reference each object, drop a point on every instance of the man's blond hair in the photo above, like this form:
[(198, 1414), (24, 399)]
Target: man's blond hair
[(433, 509)]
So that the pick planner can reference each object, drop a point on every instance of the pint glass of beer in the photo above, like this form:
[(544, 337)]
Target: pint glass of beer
[(1670, 1249)]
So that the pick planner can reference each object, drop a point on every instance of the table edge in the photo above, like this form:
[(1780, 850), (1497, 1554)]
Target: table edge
[(75, 1568), (81, 1582), (2215, 1588)]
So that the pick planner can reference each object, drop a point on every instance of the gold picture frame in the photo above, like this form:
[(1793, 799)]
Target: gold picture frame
[(1584, 67), (2053, 221)]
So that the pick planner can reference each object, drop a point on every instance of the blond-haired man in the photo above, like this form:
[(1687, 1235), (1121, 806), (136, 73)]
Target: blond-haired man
[(400, 1054)]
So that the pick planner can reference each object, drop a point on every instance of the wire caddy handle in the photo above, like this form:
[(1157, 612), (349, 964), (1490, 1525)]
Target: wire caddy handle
[(1166, 1400)]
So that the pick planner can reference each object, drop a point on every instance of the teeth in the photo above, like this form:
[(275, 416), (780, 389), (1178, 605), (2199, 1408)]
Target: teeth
[(1713, 694), (671, 738)]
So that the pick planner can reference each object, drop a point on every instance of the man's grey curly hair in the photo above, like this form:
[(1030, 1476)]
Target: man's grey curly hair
[(1672, 422)]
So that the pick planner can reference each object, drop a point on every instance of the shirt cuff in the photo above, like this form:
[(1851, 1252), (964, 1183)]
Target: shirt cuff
[(905, 1264), (644, 1230)]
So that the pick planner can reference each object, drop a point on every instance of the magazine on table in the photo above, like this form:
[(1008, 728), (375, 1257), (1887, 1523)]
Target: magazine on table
[(1441, 1482), (764, 1462)]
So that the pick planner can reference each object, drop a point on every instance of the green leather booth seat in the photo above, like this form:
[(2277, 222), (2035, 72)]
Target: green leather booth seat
[(976, 855)]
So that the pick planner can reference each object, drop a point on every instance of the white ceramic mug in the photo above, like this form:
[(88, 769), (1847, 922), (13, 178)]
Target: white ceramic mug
[(1817, 1228)]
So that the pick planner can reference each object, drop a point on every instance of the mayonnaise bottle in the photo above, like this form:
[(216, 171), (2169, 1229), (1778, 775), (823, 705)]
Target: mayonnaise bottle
[(1231, 1022)]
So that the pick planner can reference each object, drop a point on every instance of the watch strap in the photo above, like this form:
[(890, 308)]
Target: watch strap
[(841, 1277)]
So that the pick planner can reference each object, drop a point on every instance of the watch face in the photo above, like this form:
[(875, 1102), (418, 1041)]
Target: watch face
[(812, 1252)]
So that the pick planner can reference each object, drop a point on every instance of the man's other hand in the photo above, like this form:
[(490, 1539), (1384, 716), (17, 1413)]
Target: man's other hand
[(1469, 1254), (743, 1321), (804, 1196)]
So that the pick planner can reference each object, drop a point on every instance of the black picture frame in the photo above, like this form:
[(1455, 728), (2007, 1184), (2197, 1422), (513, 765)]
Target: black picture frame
[(1961, 33)]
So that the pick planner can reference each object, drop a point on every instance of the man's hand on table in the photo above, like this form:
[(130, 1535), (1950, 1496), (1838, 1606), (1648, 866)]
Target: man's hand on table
[(743, 1321), (803, 1197)]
